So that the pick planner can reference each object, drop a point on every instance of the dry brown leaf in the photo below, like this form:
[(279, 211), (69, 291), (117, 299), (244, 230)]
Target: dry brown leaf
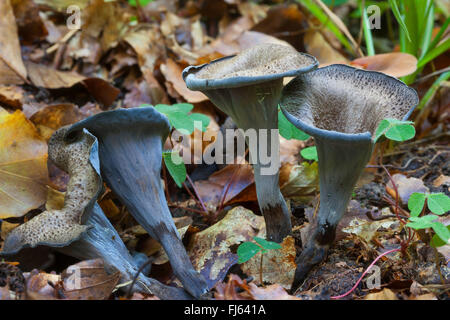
[(317, 46), (105, 22), (61, 5), (229, 290), (278, 265), (88, 280), (338, 22), (46, 77), (299, 180), (285, 22), (53, 117), (31, 27), (212, 190), (23, 165), (11, 96), (38, 287), (442, 179), (210, 249), (396, 64), (172, 73), (272, 292), (385, 294), (12, 69), (406, 186)]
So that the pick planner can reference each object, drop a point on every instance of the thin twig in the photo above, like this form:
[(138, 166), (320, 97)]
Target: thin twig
[(365, 272)]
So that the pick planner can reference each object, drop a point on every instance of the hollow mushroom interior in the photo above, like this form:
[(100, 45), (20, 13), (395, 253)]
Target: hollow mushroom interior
[(257, 61), (347, 100)]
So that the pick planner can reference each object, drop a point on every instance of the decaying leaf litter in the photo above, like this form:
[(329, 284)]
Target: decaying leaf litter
[(125, 56)]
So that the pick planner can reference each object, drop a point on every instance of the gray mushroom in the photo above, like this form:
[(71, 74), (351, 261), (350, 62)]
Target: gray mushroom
[(80, 228), (130, 151), (341, 107), (247, 87)]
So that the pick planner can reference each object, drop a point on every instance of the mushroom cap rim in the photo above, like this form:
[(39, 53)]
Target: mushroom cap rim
[(122, 116), (194, 83), (341, 136), (45, 244)]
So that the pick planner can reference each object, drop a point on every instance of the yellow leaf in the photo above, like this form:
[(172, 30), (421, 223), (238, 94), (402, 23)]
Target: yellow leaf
[(23, 165)]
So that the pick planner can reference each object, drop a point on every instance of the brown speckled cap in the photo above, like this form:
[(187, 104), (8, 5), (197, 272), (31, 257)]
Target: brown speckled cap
[(257, 64)]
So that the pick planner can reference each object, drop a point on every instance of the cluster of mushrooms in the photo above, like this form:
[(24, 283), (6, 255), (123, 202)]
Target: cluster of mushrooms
[(338, 105)]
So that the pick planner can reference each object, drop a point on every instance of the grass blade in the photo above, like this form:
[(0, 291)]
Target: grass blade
[(399, 18)]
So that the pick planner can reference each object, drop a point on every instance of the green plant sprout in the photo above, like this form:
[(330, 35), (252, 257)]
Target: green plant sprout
[(396, 130), (248, 250), (142, 3), (310, 153), (181, 119), (287, 130), (438, 204), (177, 168)]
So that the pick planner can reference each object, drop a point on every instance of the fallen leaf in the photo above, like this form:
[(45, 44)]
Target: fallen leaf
[(385, 294), (406, 187), (11, 96), (38, 285), (317, 46), (272, 292), (278, 265), (88, 280), (172, 73), (212, 190), (210, 249), (53, 117), (46, 77), (23, 165), (367, 230), (442, 179), (230, 289), (12, 69), (61, 5), (396, 64), (31, 27), (299, 180), (285, 22)]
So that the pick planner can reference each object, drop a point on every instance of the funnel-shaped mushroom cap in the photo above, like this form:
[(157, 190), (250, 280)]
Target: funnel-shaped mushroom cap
[(255, 65), (130, 152), (343, 99), (247, 87), (340, 107)]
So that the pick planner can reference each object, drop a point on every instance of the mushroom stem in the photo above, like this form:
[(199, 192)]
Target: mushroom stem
[(253, 109), (272, 205), (340, 165), (103, 241)]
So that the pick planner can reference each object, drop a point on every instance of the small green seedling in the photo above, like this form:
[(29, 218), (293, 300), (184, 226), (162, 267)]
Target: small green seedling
[(310, 153), (142, 3), (181, 119), (248, 250), (288, 130), (396, 130), (438, 204), (175, 165)]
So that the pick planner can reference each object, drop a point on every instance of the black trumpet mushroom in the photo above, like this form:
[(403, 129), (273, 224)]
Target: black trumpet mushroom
[(80, 228), (341, 107), (247, 87), (130, 152)]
